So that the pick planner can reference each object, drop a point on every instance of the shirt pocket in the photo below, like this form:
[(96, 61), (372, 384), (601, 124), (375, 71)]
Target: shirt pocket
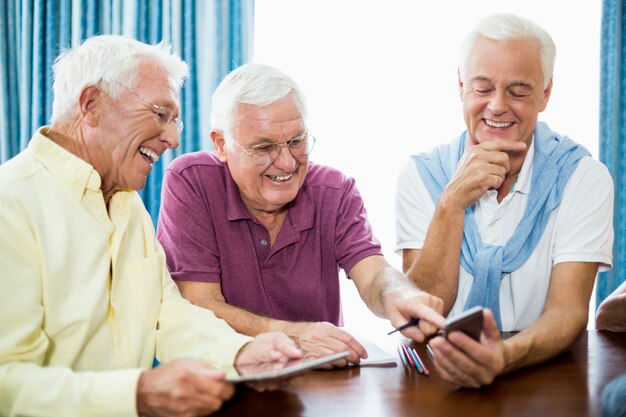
[(144, 277)]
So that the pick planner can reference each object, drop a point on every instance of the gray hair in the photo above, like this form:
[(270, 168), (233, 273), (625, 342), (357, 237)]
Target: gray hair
[(255, 84), (502, 27), (112, 59)]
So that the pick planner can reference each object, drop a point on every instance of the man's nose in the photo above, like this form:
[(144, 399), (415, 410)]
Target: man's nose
[(498, 103), (170, 135), (285, 160)]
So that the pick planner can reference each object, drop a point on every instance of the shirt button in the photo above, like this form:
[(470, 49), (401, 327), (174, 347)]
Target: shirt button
[(263, 242)]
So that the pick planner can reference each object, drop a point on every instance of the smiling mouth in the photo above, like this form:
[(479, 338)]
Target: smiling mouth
[(149, 154), (280, 178), (491, 123)]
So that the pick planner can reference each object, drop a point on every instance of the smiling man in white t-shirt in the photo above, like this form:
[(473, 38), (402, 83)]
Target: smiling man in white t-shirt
[(510, 215)]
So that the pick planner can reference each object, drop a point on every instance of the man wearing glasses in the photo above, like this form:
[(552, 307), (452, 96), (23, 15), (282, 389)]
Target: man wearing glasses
[(257, 233), (86, 301)]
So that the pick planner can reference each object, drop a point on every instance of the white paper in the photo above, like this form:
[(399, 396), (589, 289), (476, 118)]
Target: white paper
[(375, 354)]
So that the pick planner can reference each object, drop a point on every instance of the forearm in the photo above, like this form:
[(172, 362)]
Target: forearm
[(209, 296), (564, 318), (241, 320), (389, 294), (544, 339), (315, 337), (436, 267), (379, 283), (52, 391), (389, 283)]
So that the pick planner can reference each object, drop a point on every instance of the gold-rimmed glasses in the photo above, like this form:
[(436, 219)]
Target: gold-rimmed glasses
[(265, 154), (163, 115)]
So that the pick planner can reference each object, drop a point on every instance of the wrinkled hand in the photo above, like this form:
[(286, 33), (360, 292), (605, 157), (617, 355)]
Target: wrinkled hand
[(482, 167), (268, 347), (183, 387), (463, 361), (322, 338), (274, 347), (403, 304)]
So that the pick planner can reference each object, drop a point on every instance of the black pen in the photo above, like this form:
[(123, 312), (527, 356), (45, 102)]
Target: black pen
[(412, 322)]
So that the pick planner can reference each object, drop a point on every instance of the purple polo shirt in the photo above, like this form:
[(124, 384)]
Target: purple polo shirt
[(209, 235)]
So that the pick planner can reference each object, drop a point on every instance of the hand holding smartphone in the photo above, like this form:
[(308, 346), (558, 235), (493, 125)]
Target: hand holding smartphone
[(469, 322)]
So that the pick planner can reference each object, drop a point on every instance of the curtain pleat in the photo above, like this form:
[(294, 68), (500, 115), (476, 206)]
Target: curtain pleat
[(190, 95), (613, 132), (64, 25), (9, 94), (34, 32)]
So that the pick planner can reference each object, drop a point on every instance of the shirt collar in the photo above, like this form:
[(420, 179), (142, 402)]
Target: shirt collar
[(522, 184), (74, 173), (301, 209), (235, 207)]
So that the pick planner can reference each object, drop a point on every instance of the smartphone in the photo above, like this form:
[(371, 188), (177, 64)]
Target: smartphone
[(469, 322)]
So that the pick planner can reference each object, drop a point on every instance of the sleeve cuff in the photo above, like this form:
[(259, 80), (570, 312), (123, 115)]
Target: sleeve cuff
[(114, 393)]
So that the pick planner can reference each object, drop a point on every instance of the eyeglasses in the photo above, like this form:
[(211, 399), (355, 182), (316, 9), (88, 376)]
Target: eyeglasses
[(163, 115), (265, 154)]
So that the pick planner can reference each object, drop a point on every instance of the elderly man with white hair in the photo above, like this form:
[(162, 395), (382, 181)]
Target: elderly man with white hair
[(257, 232), (87, 302), (510, 215)]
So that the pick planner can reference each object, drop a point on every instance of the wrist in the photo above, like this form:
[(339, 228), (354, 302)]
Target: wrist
[(294, 330), (240, 353), (142, 406), (278, 326), (507, 359), (448, 205)]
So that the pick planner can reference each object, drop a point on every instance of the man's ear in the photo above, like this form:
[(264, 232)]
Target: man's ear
[(219, 143), (546, 97), (89, 102)]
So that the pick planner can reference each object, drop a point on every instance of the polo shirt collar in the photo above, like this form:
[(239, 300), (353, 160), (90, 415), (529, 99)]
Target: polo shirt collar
[(300, 217), (525, 175), (301, 211), (235, 207)]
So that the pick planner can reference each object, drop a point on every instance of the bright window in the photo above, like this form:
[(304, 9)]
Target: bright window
[(380, 77)]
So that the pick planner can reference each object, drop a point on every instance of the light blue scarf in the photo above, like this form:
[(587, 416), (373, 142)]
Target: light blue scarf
[(555, 159)]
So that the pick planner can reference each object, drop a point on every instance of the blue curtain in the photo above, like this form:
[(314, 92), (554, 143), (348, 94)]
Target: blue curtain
[(613, 132), (212, 36)]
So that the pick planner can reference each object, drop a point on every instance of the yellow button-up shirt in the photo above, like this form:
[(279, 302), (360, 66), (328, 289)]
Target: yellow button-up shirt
[(86, 301)]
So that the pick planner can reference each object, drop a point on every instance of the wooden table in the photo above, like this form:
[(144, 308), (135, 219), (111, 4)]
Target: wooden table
[(568, 385)]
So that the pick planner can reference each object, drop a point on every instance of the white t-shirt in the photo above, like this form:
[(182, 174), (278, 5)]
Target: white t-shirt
[(579, 230)]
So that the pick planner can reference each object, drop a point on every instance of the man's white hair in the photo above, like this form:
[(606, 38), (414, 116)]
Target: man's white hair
[(105, 61), (255, 84), (502, 27)]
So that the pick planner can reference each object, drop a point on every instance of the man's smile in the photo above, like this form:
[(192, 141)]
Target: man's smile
[(492, 123)]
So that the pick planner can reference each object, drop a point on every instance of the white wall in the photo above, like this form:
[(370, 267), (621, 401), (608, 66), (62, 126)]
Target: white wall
[(380, 80)]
